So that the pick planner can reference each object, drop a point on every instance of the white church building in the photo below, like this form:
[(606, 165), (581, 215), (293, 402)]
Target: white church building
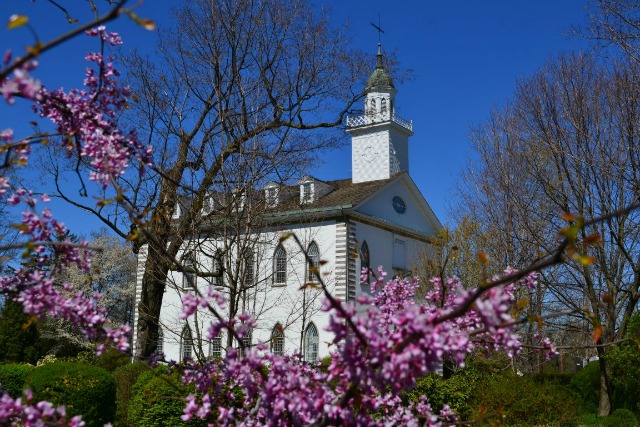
[(377, 217)]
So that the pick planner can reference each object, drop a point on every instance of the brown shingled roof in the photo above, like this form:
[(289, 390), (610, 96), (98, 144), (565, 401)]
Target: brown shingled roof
[(344, 193)]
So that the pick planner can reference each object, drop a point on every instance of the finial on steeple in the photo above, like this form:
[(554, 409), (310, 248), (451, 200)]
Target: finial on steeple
[(380, 77), (380, 31), (379, 56)]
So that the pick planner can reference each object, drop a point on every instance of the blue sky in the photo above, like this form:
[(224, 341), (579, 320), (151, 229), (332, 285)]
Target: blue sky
[(466, 55)]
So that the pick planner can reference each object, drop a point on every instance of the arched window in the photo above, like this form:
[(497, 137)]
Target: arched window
[(189, 278), (160, 342), (218, 268), (373, 106), (277, 340), (313, 254), (311, 343), (383, 105), (280, 266), (215, 350), (364, 258), (186, 343), (249, 268), (364, 255)]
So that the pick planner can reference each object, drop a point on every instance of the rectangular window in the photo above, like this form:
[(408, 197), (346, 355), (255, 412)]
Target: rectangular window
[(216, 347), (281, 270), (249, 273), (189, 277), (218, 261), (399, 254), (307, 195), (272, 196)]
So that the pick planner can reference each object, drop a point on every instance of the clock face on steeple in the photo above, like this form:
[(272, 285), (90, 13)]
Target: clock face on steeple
[(370, 153)]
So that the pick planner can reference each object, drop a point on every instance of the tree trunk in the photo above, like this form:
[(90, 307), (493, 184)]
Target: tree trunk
[(153, 283), (604, 406)]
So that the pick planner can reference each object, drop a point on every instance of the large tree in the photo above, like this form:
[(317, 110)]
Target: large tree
[(568, 142), (112, 276), (233, 80)]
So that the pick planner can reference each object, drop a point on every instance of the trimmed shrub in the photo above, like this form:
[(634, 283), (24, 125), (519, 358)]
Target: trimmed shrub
[(110, 360), (586, 383), (13, 377), (563, 379), (621, 418), (158, 401), (125, 377), (85, 390), (457, 391), (521, 401), (487, 392), (460, 389)]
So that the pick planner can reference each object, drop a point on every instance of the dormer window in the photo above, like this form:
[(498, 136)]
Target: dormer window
[(271, 196), (207, 205), (239, 199), (306, 192)]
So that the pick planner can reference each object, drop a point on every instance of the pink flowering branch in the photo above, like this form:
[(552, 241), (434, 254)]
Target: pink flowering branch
[(32, 54), (22, 412)]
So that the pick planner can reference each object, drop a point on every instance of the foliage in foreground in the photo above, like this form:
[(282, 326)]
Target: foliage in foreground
[(13, 377), (157, 400), (125, 377), (84, 389)]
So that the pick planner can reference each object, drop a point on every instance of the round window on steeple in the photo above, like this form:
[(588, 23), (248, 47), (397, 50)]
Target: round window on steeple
[(399, 204)]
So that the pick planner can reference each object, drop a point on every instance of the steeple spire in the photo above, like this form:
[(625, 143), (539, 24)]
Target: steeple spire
[(380, 78)]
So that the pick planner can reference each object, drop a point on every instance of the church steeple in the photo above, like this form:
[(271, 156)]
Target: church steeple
[(380, 78), (379, 138)]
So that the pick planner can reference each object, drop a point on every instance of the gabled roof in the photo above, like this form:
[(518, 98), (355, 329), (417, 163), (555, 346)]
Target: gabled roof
[(344, 194)]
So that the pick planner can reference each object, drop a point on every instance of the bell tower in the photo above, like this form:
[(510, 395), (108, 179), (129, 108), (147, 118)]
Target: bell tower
[(379, 138)]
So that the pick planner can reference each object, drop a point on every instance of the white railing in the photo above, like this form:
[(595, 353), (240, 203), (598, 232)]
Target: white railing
[(368, 119)]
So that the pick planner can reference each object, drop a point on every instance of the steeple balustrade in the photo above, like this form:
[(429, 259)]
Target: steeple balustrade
[(368, 119)]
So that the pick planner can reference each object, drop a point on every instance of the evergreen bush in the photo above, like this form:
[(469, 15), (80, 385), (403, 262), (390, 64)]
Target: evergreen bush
[(522, 401), (586, 383), (13, 377), (621, 418), (85, 390), (19, 335), (158, 400), (125, 377)]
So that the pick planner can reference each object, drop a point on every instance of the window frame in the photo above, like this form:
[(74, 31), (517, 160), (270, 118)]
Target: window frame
[(277, 340), (246, 341), (271, 196), (189, 260), (315, 258), (215, 346), (280, 266), (309, 351), (307, 192), (160, 342), (217, 267), (186, 342)]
